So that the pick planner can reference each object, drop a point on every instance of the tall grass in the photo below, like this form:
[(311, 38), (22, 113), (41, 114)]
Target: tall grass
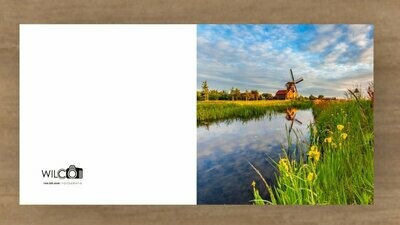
[(214, 111), (336, 164)]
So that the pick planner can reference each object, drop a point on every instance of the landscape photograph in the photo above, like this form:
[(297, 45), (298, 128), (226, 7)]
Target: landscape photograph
[(285, 114)]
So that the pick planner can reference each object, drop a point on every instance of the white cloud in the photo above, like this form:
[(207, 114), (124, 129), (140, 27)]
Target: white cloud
[(358, 34), (326, 28), (223, 45), (325, 40), (242, 60), (367, 56), (336, 53)]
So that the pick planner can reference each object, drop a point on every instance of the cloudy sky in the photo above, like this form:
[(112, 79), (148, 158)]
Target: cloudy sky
[(330, 58)]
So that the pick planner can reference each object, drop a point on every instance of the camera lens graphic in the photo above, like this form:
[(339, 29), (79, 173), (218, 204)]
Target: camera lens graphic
[(72, 172)]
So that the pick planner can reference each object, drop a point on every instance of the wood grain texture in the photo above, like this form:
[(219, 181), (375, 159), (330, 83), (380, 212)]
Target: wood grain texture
[(383, 14)]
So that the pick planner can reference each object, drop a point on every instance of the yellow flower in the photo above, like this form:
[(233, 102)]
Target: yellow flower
[(314, 153), (317, 154), (284, 164), (313, 148), (334, 145), (311, 176), (253, 183), (328, 139), (340, 127), (343, 136)]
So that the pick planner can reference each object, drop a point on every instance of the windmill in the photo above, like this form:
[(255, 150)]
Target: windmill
[(291, 116), (291, 89), (291, 86)]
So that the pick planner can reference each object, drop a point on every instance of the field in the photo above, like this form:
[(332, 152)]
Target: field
[(337, 165)]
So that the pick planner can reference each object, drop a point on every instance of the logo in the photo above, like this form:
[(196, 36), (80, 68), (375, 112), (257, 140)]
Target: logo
[(71, 173)]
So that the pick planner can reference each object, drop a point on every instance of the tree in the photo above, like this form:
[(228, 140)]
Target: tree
[(198, 93), (254, 94), (205, 91), (223, 95), (320, 96), (247, 95), (235, 94), (312, 97), (213, 95), (267, 96)]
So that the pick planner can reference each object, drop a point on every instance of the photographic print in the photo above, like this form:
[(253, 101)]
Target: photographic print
[(285, 114)]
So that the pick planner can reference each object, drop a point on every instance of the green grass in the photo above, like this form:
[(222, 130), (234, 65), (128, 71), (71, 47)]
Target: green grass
[(335, 166), (215, 111)]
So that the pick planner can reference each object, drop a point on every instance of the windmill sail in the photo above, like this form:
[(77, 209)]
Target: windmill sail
[(298, 80), (291, 73)]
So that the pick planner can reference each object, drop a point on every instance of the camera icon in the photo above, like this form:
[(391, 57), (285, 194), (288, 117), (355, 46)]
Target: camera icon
[(74, 172)]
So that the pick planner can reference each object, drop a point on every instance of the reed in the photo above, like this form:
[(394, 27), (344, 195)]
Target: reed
[(335, 165), (215, 111)]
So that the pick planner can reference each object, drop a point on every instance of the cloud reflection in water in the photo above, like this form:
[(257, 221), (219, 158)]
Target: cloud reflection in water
[(224, 150)]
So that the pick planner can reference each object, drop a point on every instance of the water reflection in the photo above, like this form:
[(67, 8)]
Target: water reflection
[(225, 148), (291, 116), (267, 114)]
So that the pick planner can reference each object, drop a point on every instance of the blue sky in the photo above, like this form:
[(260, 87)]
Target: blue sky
[(330, 58)]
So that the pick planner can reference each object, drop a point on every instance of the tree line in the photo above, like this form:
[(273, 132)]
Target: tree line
[(235, 94)]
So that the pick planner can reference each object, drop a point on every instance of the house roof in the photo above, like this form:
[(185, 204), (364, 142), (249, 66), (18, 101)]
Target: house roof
[(281, 92)]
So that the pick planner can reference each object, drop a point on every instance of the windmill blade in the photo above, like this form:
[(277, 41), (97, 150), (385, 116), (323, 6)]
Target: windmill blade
[(299, 80), (295, 88), (291, 73), (299, 122)]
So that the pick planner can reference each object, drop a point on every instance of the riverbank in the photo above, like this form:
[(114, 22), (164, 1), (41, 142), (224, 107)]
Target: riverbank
[(337, 166), (214, 111)]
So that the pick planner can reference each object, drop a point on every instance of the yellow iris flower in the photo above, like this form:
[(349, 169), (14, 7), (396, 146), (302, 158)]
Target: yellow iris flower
[(328, 139), (340, 127), (343, 136), (311, 176), (313, 148), (284, 164), (314, 153)]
